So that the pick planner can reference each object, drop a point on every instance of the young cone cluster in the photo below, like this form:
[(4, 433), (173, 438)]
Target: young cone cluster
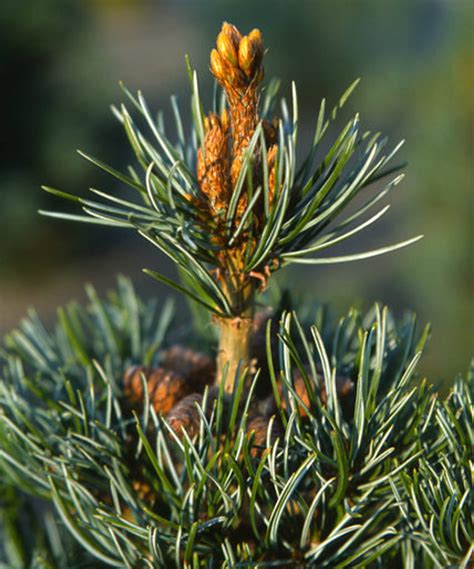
[(237, 64)]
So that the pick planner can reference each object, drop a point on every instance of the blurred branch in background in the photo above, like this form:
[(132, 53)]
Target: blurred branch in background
[(59, 69)]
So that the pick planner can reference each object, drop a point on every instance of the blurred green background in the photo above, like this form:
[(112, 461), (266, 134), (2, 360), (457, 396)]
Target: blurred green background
[(60, 61)]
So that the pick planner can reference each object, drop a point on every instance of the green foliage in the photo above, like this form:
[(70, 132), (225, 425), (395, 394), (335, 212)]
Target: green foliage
[(302, 219), (32, 535), (438, 494), (382, 479)]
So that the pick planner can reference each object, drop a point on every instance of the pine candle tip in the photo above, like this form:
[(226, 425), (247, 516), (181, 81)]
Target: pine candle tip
[(251, 53), (236, 63), (232, 32), (237, 59), (227, 47), (217, 66)]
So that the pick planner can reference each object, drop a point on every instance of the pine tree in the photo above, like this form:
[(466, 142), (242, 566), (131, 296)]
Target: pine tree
[(297, 440)]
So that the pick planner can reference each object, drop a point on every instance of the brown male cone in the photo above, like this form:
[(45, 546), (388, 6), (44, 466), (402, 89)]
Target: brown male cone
[(213, 163), (185, 415), (165, 387), (197, 368), (258, 432)]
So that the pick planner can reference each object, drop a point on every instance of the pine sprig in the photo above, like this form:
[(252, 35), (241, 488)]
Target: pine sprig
[(386, 478), (167, 205)]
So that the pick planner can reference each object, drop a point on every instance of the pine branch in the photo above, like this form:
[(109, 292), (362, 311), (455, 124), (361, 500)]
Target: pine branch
[(343, 484), (277, 217)]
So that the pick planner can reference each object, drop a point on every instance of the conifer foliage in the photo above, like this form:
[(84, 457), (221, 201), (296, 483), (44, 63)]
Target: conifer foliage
[(297, 441), (227, 200)]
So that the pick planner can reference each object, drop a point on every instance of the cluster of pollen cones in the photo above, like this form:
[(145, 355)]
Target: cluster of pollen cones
[(175, 390), (237, 64)]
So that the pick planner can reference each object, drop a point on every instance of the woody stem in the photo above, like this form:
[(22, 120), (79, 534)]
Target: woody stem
[(235, 335)]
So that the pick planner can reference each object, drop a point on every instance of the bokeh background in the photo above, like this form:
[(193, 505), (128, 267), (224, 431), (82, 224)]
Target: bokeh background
[(60, 61)]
